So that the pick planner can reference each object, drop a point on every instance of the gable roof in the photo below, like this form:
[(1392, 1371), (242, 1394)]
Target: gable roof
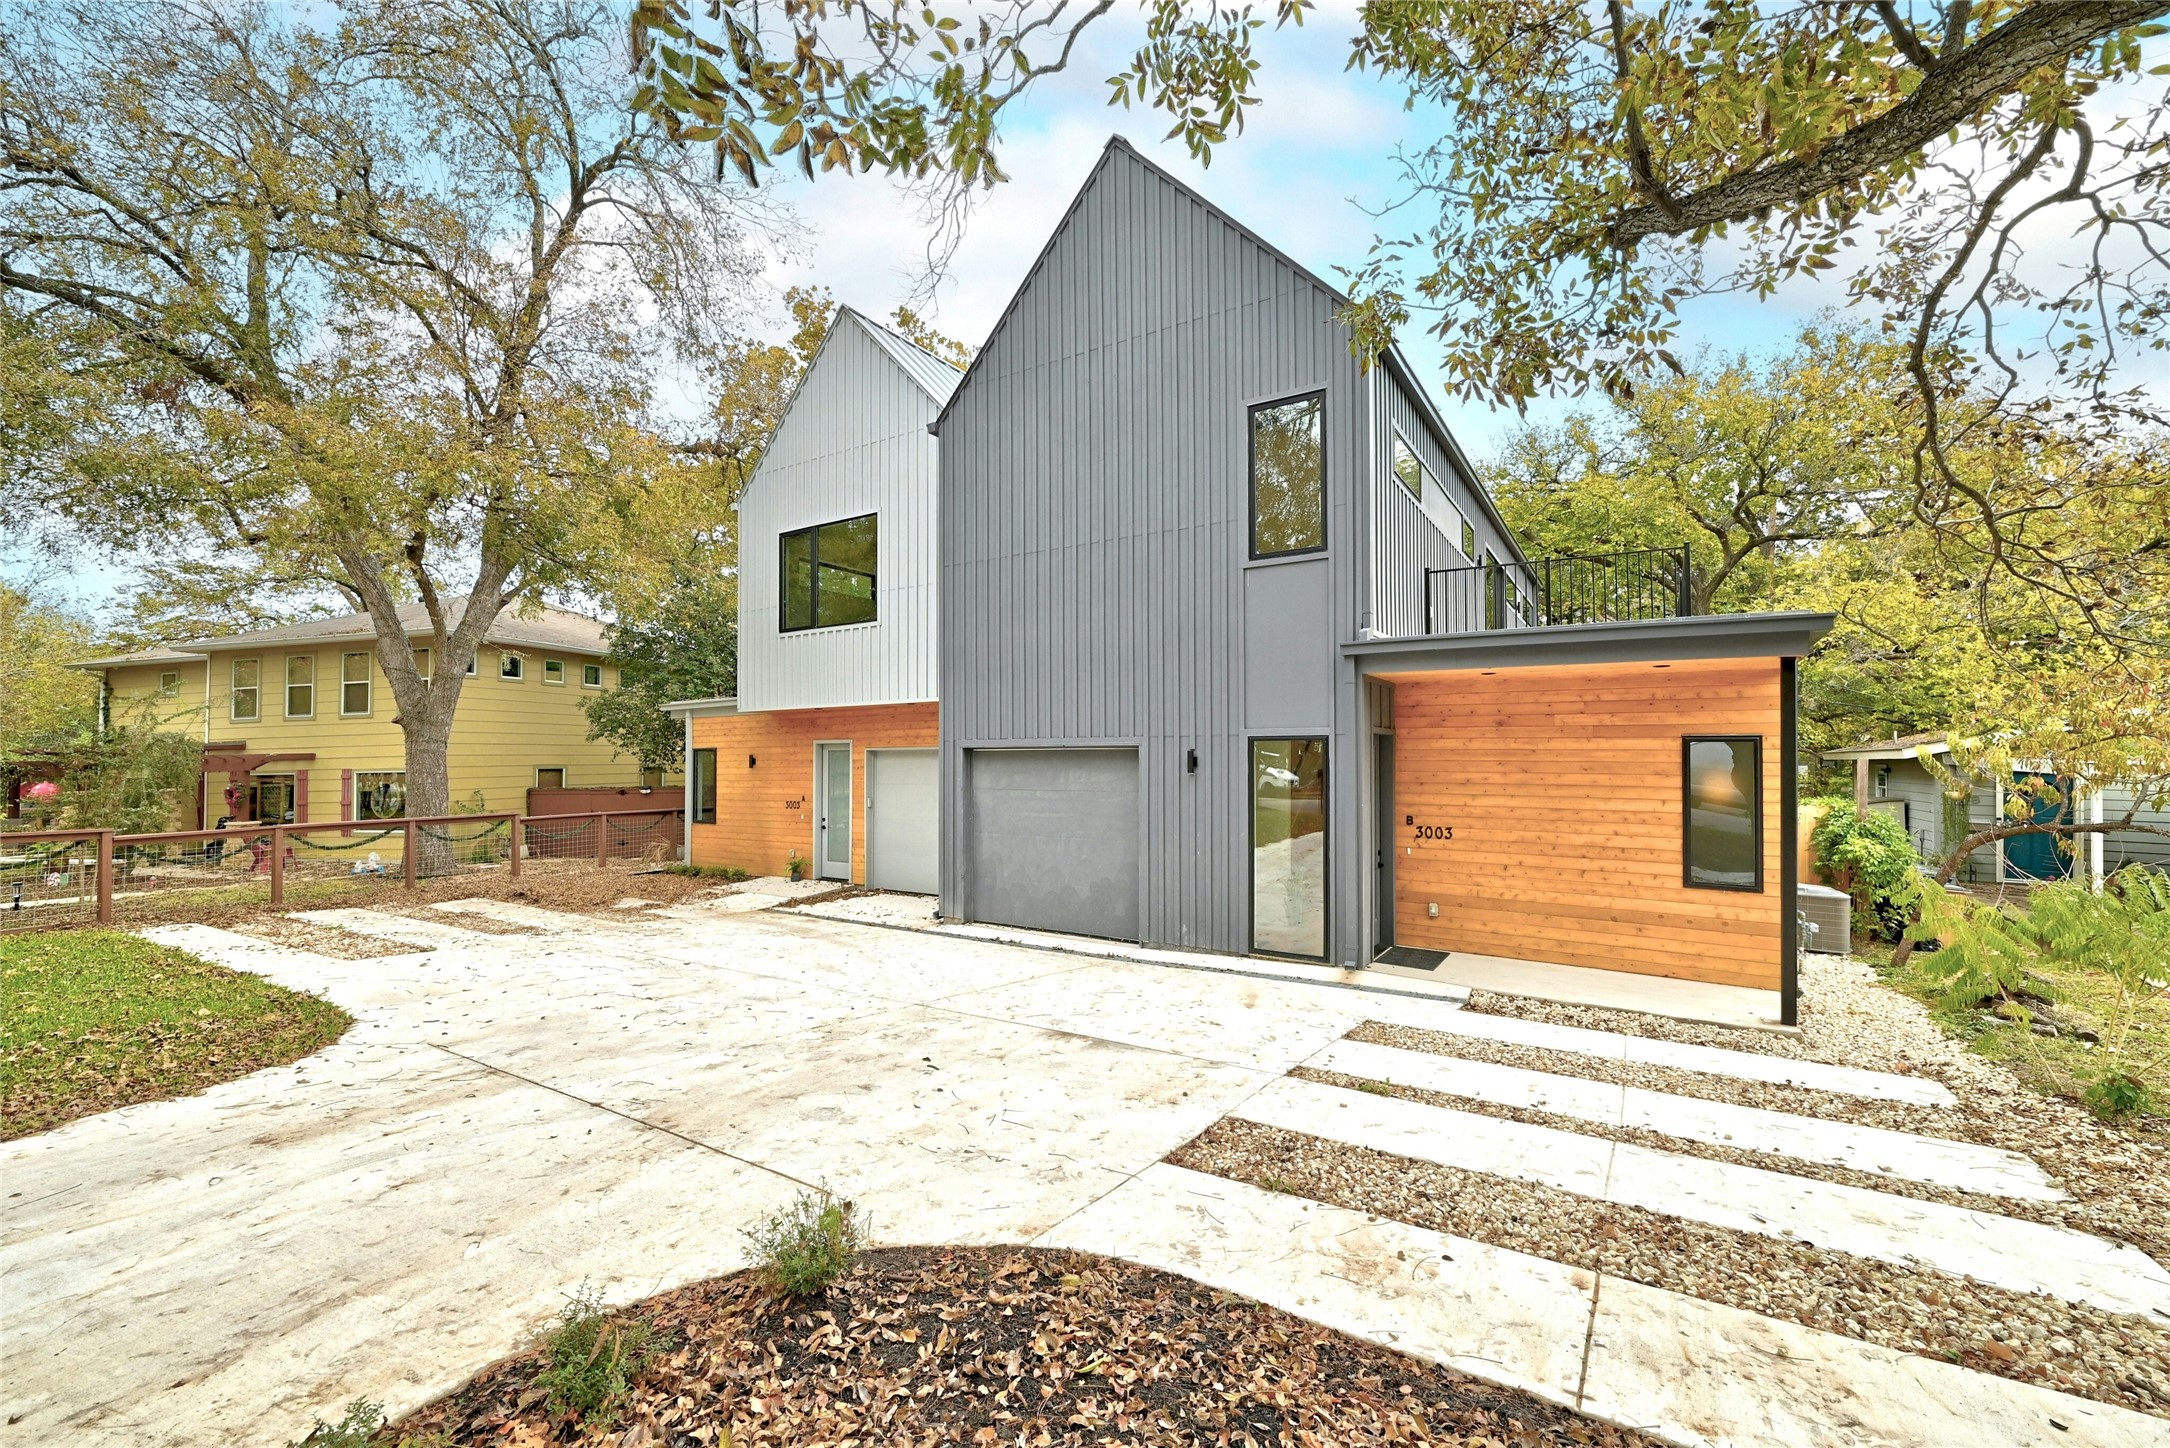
[(936, 377), (1395, 363), (1901, 748), (551, 628)]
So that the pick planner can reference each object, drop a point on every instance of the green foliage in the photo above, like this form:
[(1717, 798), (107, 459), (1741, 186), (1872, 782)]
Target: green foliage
[(806, 1246), (358, 1429), (2115, 1095), (592, 1359), (684, 647), (1871, 857), (138, 779), (49, 705), (707, 872)]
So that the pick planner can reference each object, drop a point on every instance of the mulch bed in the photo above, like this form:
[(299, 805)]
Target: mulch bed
[(1006, 1345)]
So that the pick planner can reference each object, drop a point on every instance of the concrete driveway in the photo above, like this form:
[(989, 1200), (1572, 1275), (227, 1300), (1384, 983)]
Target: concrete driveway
[(612, 1104)]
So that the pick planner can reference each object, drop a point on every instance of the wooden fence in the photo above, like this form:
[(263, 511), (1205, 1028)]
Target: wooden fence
[(72, 877)]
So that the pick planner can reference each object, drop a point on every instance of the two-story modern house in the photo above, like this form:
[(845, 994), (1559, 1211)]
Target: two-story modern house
[(1233, 652), (298, 723), (828, 750)]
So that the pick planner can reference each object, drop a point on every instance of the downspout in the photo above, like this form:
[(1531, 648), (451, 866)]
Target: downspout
[(685, 848), (1789, 846)]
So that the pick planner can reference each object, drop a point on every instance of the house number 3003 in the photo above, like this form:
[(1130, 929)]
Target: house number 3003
[(1435, 832)]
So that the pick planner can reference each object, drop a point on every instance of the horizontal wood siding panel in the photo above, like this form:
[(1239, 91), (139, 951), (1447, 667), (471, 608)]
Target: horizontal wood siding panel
[(1563, 789), (765, 812)]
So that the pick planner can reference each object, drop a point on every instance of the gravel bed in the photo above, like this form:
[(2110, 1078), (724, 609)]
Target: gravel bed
[(2109, 1357), (2120, 1182), (985, 1345), (322, 939), (2046, 1212), (480, 924)]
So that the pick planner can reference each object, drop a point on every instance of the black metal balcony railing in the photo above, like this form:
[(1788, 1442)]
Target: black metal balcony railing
[(1643, 583)]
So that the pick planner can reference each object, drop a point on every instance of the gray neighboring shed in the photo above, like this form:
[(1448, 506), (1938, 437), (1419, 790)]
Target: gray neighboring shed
[(1097, 589)]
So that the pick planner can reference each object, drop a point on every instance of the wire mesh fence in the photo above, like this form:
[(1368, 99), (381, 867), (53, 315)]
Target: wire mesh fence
[(61, 878)]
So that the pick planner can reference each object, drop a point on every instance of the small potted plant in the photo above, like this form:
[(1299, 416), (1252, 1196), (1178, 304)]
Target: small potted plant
[(797, 866)]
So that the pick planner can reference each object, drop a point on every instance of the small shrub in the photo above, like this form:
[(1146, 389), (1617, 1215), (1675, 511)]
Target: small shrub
[(593, 1359), (1376, 1088), (2115, 1094), (807, 1245), (1872, 858), (731, 873), (358, 1429)]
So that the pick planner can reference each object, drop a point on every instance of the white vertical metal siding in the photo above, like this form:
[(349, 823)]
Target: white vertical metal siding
[(853, 441)]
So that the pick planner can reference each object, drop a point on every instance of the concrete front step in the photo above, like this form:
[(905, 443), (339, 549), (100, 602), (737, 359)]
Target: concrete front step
[(1873, 1149), (2003, 1251)]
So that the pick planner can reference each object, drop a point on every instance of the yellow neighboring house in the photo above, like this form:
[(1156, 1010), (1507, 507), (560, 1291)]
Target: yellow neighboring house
[(298, 723)]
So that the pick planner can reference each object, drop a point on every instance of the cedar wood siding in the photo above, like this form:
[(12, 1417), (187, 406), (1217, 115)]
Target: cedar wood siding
[(1563, 788), (766, 812), (1094, 509)]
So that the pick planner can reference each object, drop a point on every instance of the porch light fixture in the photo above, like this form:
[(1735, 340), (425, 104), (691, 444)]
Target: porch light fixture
[(1190, 762), (749, 761)]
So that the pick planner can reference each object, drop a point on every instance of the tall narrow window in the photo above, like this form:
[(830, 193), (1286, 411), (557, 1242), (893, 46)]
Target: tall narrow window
[(245, 694), (827, 574), (300, 686), (421, 664), (1722, 812), (1288, 847), (1469, 541), (1288, 476), (1408, 467), (353, 684), (704, 786)]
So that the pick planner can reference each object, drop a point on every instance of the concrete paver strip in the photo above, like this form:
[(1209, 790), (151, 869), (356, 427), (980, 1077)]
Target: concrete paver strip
[(1684, 1369), (1873, 1149), (2020, 1255), (1711, 1060)]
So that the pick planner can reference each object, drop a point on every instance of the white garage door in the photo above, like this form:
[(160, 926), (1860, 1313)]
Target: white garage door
[(1052, 839), (903, 819)]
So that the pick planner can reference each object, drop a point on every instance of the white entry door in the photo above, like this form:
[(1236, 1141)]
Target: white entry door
[(903, 820), (832, 833)]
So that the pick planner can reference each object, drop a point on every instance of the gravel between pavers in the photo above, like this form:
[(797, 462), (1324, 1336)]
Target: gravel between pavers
[(2120, 1184), (323, 939), (2109, 1357)]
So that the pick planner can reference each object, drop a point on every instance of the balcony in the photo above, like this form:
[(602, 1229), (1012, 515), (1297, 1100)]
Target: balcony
[(1626, 587)]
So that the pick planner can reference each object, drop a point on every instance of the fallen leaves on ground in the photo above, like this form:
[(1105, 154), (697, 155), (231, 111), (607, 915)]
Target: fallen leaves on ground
[(1010, 1346)]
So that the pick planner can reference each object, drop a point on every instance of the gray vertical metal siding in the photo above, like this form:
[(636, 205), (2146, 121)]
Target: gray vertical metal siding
[(1094, 534), (1408, 538), (854, 440)]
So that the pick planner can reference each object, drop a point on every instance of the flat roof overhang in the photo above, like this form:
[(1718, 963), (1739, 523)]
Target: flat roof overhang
[(1712, 636)]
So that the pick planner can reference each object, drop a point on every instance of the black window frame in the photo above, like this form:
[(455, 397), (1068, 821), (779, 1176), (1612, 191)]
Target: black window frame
[(1687, 807), (704, 812), (1250, 831), (1402, 444), (1250, 474), (812, 533)]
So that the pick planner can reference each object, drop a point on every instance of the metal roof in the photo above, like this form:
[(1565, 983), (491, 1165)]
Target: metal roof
[(938, 377), (1904, 747), (1702, 636)]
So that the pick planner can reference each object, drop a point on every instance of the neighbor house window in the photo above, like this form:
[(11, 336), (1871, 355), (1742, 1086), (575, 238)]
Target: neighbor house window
[(300, 686), (591, 676), (554, 671), (1408, 467), (169, 684), (511, 666), (353, 684), (245, 690), (1722, 812), (380, 794), (1288, 476), (828, 574), (275, 799), (549, 778), (471, 658), (421, 664), (704, 786), (1288, 846)]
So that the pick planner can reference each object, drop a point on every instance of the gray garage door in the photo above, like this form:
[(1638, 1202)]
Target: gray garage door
[(903, 819), (1052, 839)]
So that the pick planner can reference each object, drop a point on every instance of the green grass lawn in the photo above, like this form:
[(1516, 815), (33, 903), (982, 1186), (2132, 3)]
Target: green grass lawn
[(95, 1019)]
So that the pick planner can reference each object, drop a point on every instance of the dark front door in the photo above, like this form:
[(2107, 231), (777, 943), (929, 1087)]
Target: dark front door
[(2036, 857), (1382, 814)]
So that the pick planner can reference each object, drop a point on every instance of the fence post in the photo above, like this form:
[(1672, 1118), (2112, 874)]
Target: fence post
[(602, 841), (105, 877), (1684, 600), (1427, 602), (407, 853), (519, 841), (278, 866)]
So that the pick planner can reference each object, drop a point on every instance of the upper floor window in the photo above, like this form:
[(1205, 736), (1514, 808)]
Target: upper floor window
[(301, 686), (471, 662), (1469, 539), (244, 706), (511, 666), (591, 676), (421, 664), (827, 574), (553, 671), (1288, 476), (169, 684), (1409, 469), (354, 684)]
